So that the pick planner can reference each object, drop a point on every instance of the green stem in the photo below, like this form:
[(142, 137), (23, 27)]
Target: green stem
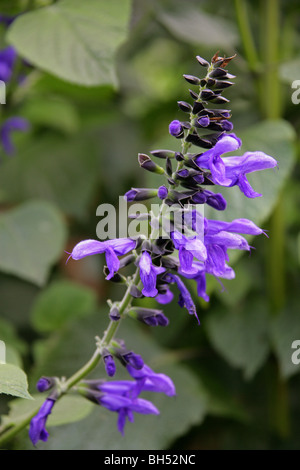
[(246, 34), (270, 98), (88, 367)]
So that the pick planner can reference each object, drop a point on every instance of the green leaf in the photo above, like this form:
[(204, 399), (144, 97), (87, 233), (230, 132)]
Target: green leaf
[(241, 336), (61, 170), (32, 238), (67, 351), (284, 330), (191, 24), (13, 381), (60, 303), (72, 39), (68, 409)]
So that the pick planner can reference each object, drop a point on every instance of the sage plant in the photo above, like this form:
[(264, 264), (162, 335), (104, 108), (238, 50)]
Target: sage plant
[(183, 247)]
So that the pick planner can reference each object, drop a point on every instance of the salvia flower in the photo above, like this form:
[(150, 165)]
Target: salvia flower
[(148, 274), (7, 62), (11, 124), (111, 248), (175, 128), (37, 429)]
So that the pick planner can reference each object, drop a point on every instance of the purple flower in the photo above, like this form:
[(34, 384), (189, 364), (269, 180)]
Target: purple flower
[(11, 124), (148, 274), (122, 397), (231, 171), (212, 158), (203, 121), (37, 430), (126, 406), (175, 128), (188, 248), (164, 297), (45, 383), (7, 19), (237, 167), (185, 298), (162, 192), (150, 381), (237, 226), (7, 62), (111, 248), (110, 366)]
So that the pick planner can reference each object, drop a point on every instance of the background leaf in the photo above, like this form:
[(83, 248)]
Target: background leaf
[(74, 40), (32, 238), (13, 381), (63, 301)]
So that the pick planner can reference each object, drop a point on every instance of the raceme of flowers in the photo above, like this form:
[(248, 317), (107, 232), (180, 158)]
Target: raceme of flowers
[(8, 73), (159, 262)]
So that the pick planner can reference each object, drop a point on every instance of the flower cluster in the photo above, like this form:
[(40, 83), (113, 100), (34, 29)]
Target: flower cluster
[(191, 248), (8, 62), (119, 396)]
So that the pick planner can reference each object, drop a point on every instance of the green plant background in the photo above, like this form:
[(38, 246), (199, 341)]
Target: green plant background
[(104, 84)]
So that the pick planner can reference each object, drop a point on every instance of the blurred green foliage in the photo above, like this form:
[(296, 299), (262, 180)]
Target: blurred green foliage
[(93, 104)]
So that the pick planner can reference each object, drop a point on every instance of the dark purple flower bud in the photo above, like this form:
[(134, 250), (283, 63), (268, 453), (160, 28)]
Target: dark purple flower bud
[(218, 73), (114, 314), (183, 173), (140, 194), (146, 163), (207, 94), (109, 363), (220, 100), (202, 61), (215, 200), (227, 125), (162, 192), (184, 106), (192, 79), (135, 292), (134, 360), (149, 316), (37, 430), (197, 107), (193, 95), (203, 121), (45, 383), (169, 168), (163, 153), (175, 128)]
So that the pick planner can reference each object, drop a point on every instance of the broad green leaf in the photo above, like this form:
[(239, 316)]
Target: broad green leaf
[(13, 381), (193, 25), (32, 238), (284, 330), (241, 335), (60, 170), (65, 352), (68, 409), (72, 39), (62, 302)]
